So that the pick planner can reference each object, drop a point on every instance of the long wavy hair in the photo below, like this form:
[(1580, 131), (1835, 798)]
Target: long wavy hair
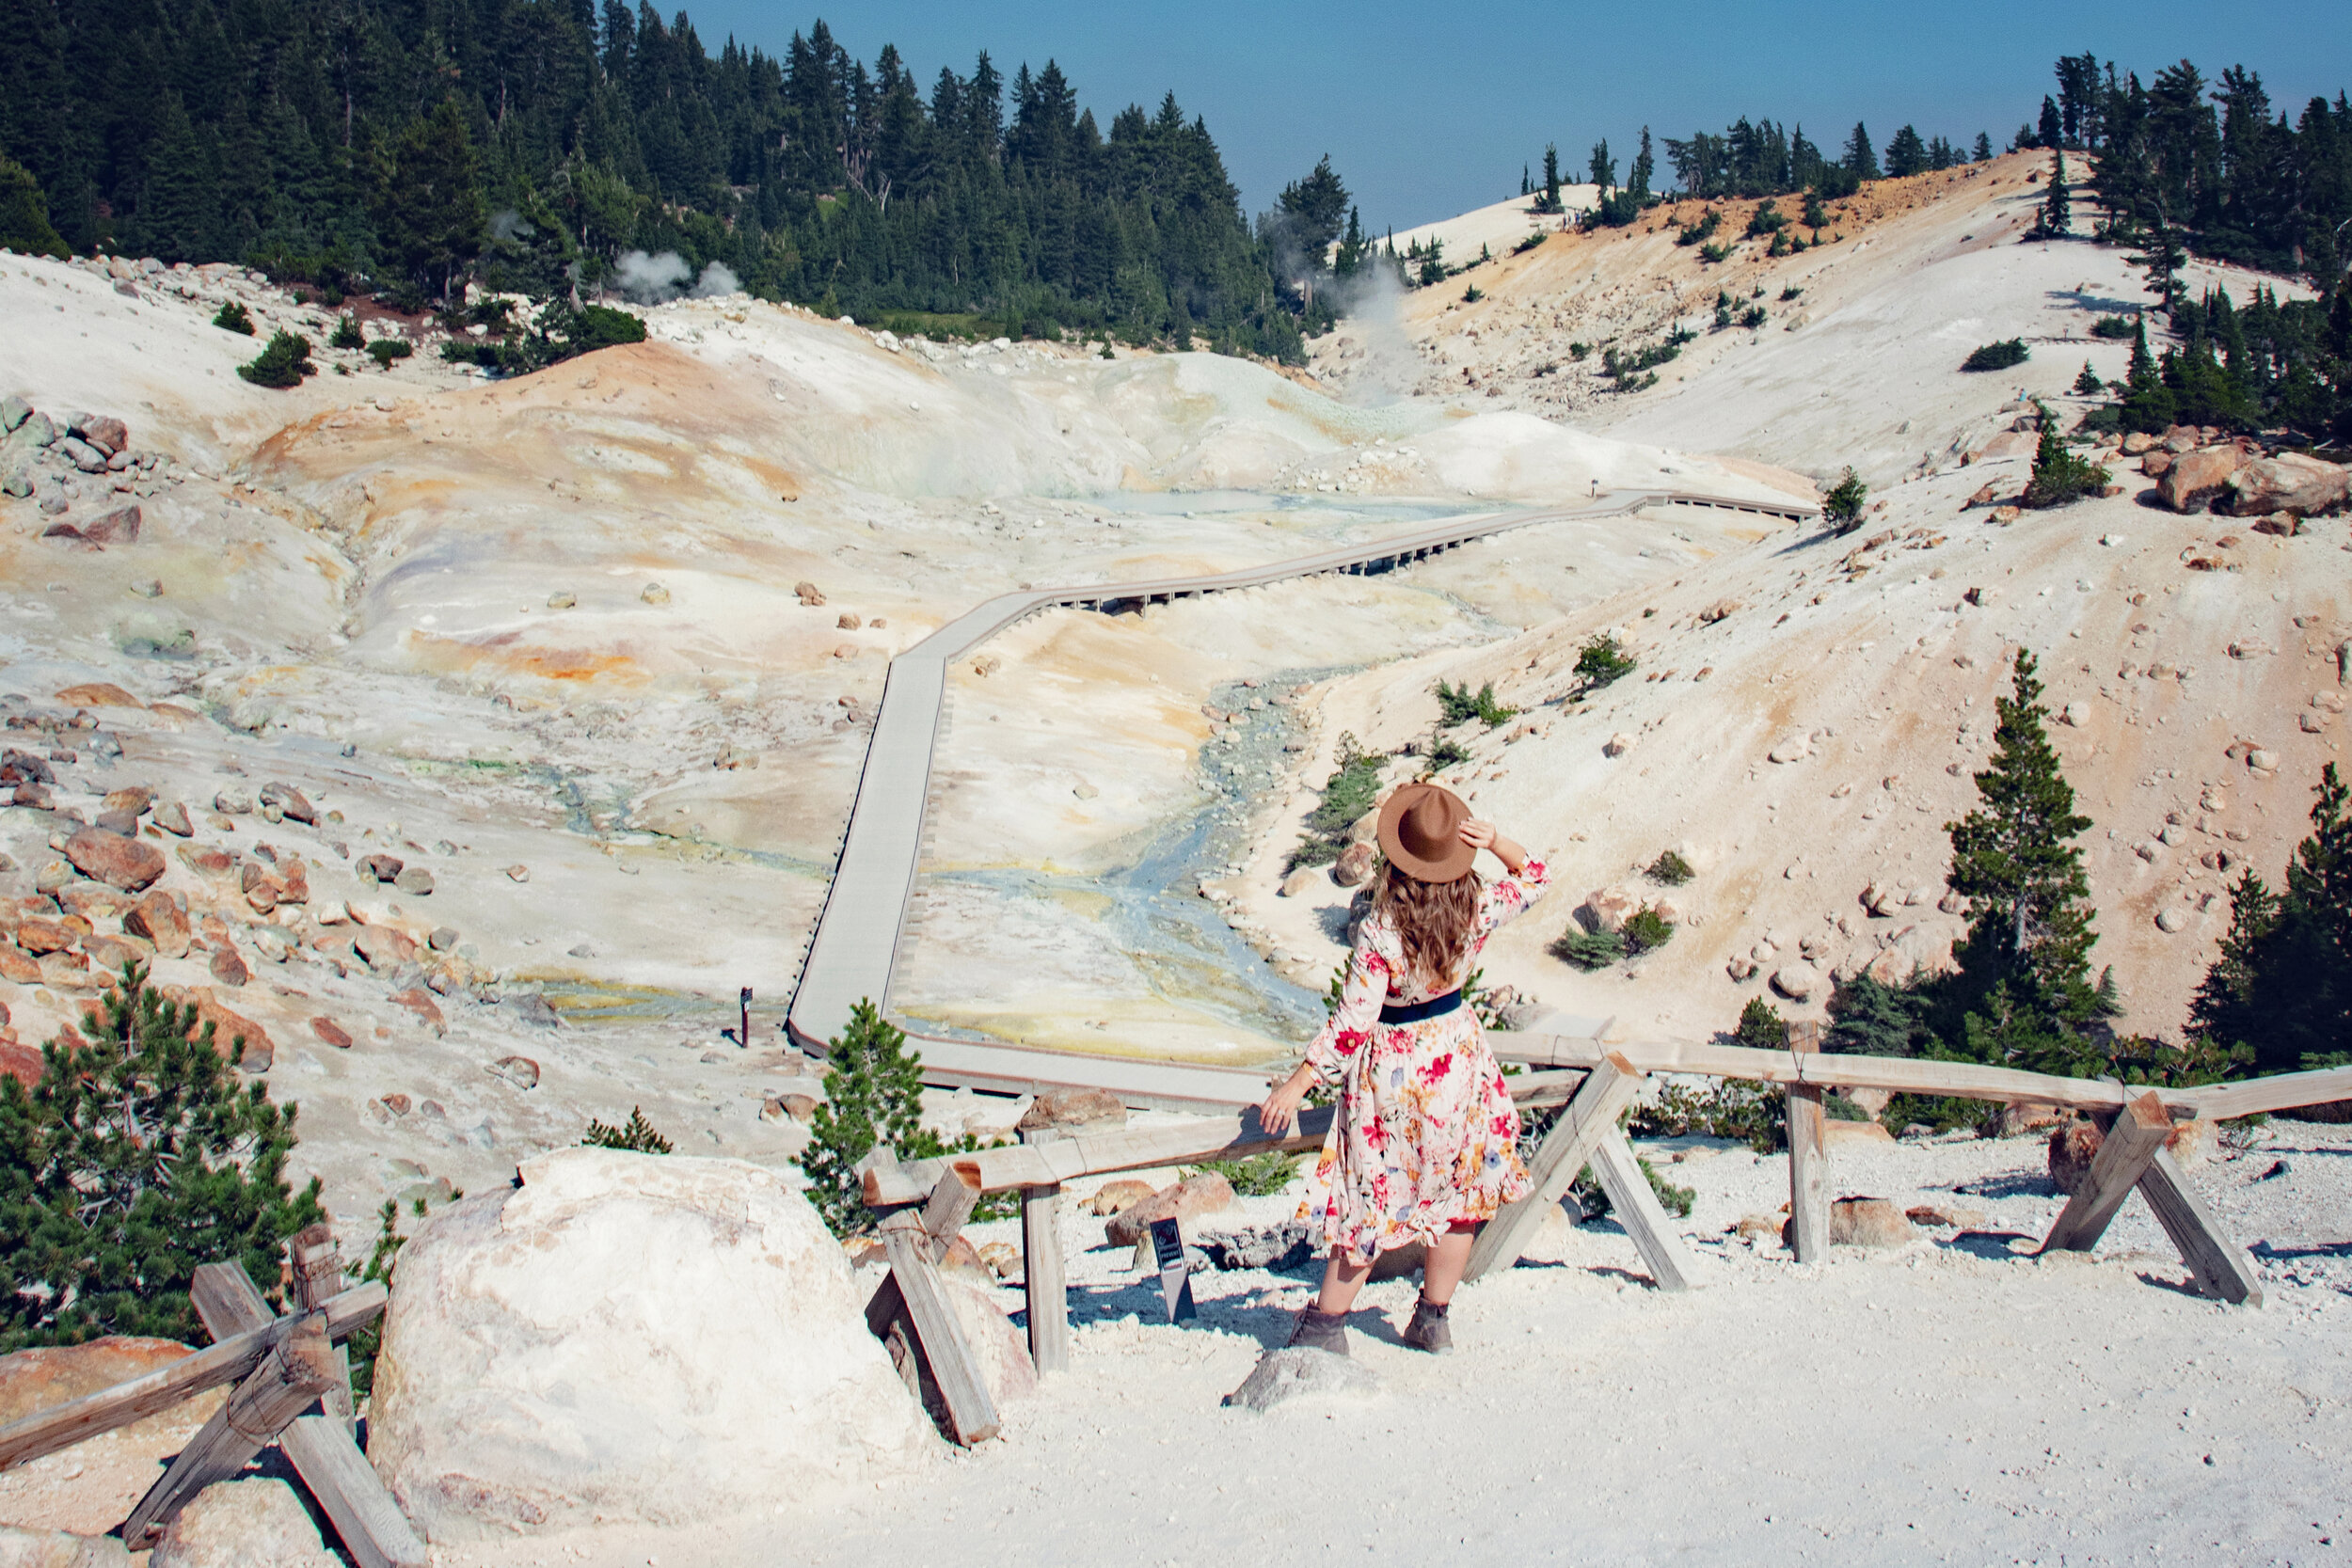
[(1432, 920)]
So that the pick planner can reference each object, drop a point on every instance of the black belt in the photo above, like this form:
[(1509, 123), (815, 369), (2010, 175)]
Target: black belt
[(1437, 1006)]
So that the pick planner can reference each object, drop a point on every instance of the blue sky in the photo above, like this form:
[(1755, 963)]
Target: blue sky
[(1428, 109)]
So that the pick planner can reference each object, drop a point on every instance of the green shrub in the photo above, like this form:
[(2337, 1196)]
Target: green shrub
[(1530, 243), (1588, 949), (2060, 476), (1671, 869), (1471, 294), (1711, 254), (233, 318), (1578, 351), (1458, 705), (282, 363), (1354, 790), (1761, 1026), (636, 1136), (1593, 1197), (1692, 235), (1791, 291), (1255, 1174), (347, 334), (2111, 327), (135, 1157), (2088, 384), (1997, 357), (1752, 317), (1600, 662), (1766, 219), (1735, 1108), (1447, 752), (385, 350), (1645, 930), (1842, 507)]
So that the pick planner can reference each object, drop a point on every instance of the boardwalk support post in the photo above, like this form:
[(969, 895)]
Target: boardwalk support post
[(1808, 1161)]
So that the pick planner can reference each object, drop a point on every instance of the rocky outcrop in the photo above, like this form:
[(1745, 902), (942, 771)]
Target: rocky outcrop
[(114, 859), (630, 1337), (56, 1548), (2197, 478), (2289, 483)]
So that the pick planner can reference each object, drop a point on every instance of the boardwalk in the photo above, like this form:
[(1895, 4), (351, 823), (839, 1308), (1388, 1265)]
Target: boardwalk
[(854, 951)]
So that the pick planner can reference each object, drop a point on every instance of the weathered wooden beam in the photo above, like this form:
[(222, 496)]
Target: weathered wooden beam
[(2285, 1092), (971, 1415), (1637, 1209), (1808, 1159), (1066, 1157), (1043, 1281), (2221, 1266), (354, 1498), (1904, 1074), (2136, 1138), (316, 1262), (1563, 1153), (64, 1425), (954, 1197), (288, 1381)]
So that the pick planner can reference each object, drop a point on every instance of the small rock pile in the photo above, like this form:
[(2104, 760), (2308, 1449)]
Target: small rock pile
[(72, 460), (2196, 470)]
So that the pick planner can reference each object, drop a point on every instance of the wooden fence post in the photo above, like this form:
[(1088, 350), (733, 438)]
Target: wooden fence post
[(1565, 1151), (1808, 1161), (2131, 1142), (1638, 1210), (939, 1337), (1042, 1279), (289, 1380)]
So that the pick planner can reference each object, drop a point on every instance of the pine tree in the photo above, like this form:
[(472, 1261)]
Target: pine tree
[(2056, 212), (2141, 377), (283, 362), (24, 226), (2088, 384), (873, 1095), (2030, 930), (1859, 160), (1645, 167), (1602, 167), (2051, 131), (134, 1159), (428, 199), (2282, 981), (1983, 153), (1906, 154)]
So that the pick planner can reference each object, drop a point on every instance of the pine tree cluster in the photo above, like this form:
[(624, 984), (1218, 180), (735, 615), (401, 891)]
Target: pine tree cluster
[(420, 145)]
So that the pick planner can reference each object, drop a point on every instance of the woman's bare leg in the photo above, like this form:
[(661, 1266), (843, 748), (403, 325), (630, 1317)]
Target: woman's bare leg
[(1343, 1278), (1443, 1268)]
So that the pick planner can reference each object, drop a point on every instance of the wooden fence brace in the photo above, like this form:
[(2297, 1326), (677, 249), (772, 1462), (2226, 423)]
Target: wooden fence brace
[(64, 1425), (320, 1448), (1042, 1281), (1808, 1161), (1638, 1210), (289, 1380), (2220, 1265), (1563, 1153), (2132, 1142), (951, 1204), (317, 1264), (938, 1337)]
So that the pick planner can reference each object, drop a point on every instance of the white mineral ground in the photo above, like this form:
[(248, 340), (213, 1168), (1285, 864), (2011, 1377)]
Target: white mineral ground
[(354, 588)]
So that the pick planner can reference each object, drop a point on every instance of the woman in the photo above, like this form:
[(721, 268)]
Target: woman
[(1422, 1148)]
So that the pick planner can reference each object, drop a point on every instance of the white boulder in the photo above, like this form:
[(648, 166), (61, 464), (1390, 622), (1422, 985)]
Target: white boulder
[(630, 1337), (243, 1524)]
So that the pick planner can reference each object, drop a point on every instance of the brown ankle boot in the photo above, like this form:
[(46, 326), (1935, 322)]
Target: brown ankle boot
[(1320, 1331), (1428, 1330)]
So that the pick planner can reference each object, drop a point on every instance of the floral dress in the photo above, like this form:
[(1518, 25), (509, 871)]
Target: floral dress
[(1426, 1131)]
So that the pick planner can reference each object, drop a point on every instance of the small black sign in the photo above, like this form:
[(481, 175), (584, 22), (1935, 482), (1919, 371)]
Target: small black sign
[(1168, 1249)]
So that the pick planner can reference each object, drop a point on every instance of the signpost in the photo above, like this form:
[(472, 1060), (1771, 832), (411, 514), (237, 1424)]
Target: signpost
[(1168, 1247)]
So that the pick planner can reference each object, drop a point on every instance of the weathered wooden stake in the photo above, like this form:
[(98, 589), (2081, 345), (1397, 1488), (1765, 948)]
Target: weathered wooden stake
[(951, 1204), (1565, 1151), (1638, 1210), (2131, 1142), (317, 1264), (2220, 1265), (1808, 1161), (286, 1384), (939, 1337), (1042, 1279)]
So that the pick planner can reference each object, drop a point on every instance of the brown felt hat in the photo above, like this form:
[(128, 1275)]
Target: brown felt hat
[(1420, 832)]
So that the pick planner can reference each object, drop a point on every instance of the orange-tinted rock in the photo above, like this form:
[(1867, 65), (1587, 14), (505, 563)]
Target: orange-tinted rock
[(229, 966), (159, 920), (381, 948), (117, 861), (98, 694), (420, 1003), (207, 862), (21, 1062), (2195, 478), (227, 1027), (331, 1032), (42, 936), (1206, 1194), (18, 966)]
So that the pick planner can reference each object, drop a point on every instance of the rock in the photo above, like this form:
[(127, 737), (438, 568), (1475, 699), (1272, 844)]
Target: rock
[(18, 967), (14, 411), (1298, 883), (2137, 442), (1607, 909), (576, 1351), (1836, 1132), (2076, 714), (2285, 525), (1089, 1108), (1295, 1372), (159, 920), (107, 433), (2156, 463), (1004, 1261), (416, 881), (1270, 1246), (849, 621), (232, 802), (1983, 495), (443, 938), (521, 1071), (256, 1522), (228, 967), (797, 1107), (114, 859), (1797, 982), (383, 868), (2072, 1150), (2004, 516), (2291, 483), (1794, 748), (117, 527), (1882, 901), (172, 817), (1617, 745), (1113, 1197), (1001, 1350), (2171, 918), (808, 594), (332, 1033), (519, 873), (2197, 478), (1868, 1222), (1354, 866), (420, 1003), (534, 1009), (653, 592), (291, 803), (562, 599), (1188, 1199), (1753, 1227), (383, 948), (1085, 791), (22, 1548)]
